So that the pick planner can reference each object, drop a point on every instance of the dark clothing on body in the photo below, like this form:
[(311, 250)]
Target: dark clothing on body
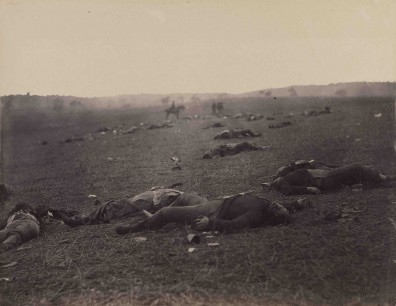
[(297, 181), (21, 227), (234, 213)]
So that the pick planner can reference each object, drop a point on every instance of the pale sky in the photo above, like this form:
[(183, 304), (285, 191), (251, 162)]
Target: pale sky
[(104, 48)]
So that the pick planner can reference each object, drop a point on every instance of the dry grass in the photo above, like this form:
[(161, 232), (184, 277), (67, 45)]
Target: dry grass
[(311, 261)]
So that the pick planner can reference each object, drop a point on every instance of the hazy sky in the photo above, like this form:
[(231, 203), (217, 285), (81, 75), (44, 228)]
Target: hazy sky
[(102, 48)]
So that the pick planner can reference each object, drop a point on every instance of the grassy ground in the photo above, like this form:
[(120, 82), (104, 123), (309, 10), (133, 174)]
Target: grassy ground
[(311, 261)]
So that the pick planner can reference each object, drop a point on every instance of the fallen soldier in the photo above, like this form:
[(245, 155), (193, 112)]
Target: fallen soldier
[(214, 125), (254, 117), (237, 133), (22, 224), (233, 213), (315, 178), (130, 130), (279, 125), (311, 113), (149, 126), (302, 164), (233, 149), (248, 116), (151, 200)]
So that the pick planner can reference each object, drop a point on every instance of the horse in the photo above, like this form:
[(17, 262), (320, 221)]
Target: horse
[(174, 110)]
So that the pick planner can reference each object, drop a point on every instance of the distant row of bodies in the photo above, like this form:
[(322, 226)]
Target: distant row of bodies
[(166, 205)]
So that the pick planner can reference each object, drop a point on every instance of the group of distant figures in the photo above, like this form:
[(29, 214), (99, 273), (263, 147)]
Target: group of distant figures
[(217, 109)]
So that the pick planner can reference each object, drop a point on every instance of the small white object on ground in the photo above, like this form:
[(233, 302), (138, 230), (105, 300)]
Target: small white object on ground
[(24, 248), (92, 196), (9, 265), (213, 244), (190, 250), (140, 239)]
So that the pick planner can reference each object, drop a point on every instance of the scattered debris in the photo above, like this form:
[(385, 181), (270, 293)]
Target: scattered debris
[(7, 279), (352, 210), (190, 250), (57, 213), (73, 139), (140, 239), (177, 162), (193, 238), (24, 248), (64, 241), (175, 185), (332, 215), (92, 196), (131, 130), (254, 117), (210, 233), (102, 130), (11, 264)]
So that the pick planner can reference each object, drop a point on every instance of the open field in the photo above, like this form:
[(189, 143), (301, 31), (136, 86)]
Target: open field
[(311, 261)]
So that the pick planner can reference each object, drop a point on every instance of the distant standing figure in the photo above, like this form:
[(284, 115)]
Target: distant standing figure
[(220, 108), (214, 108), (174, 110)]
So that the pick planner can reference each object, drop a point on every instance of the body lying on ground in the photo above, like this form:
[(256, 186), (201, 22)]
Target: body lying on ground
[(236, 133), (22, 224), (229, 214), (214, 125), (312, 177), (151, 200), (279, 125), (233, 149)]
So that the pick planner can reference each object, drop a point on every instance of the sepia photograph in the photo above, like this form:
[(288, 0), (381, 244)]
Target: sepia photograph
[(197, 152)]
